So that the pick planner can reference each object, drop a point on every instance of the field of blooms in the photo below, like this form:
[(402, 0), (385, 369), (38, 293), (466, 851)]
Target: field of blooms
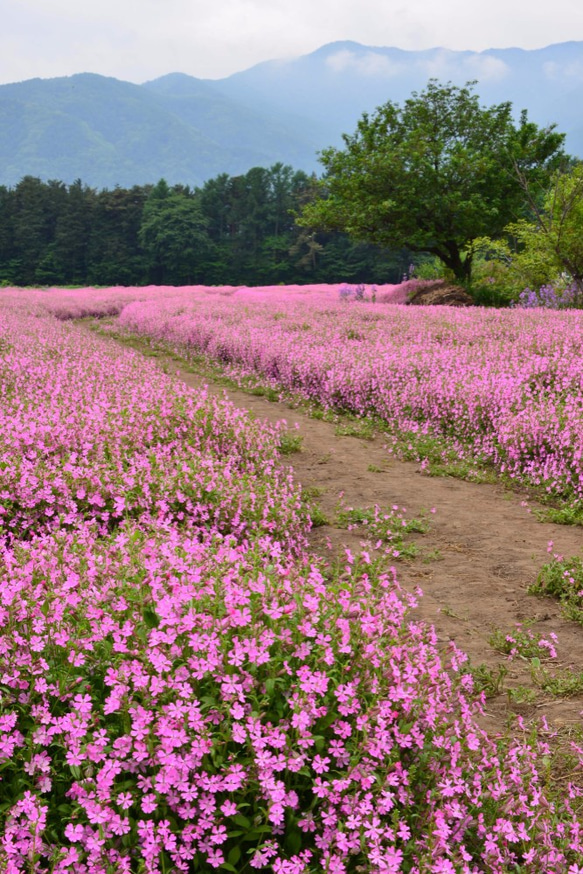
[(182, 687), (504, 386)]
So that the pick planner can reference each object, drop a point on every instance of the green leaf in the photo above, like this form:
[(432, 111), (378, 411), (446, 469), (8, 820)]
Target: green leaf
[(234, 856), (150, 617), (293, 841), (257, 832)]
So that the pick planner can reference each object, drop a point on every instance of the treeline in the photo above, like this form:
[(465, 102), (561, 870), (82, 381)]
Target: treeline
[(234, 230)]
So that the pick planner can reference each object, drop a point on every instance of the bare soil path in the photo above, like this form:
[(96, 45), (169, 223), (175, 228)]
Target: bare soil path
[(484, 547)]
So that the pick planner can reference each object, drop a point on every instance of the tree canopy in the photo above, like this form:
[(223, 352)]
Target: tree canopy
[(173, 235), (545, 250), (234, 230), (434, 174), (554, 241)]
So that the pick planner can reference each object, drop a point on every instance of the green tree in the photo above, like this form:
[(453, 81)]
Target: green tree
[(173, 235), (215, 201), (65, 260), (552, 245), (251, 224), (8, 267), (115, 256), (434, 174), (36, 206)]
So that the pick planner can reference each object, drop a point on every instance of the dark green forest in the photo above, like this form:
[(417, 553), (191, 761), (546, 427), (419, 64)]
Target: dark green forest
[(234, 230)]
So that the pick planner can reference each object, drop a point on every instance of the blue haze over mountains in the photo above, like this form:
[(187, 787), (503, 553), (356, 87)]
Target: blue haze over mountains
[(107, 132)]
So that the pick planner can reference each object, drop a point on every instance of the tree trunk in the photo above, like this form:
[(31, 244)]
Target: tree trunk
[(452, 258)]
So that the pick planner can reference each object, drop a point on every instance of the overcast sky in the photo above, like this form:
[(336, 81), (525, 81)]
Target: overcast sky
[(139, 40)]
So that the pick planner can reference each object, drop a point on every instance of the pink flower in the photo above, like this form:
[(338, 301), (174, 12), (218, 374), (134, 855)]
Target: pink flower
[(320, 764)]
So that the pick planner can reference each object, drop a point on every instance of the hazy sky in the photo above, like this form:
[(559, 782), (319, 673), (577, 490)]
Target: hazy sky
[(139, 40)]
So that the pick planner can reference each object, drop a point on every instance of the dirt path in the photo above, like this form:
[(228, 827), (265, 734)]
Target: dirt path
[(483, 549)]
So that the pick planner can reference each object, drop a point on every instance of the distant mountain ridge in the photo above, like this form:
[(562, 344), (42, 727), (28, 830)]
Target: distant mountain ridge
[(108, 132)]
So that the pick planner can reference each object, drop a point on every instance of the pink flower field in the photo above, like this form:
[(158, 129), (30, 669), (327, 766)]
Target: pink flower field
[(503, 386), (183, 687)]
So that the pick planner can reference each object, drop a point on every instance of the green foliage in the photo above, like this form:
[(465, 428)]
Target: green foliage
[(570, 514), (562, 578), (115, 256), (492, 282), (522, 695), (232, 231), (520, 641), (552, 245), (173, 235), (488, 680), (363, 429), (560, 684), (290, 442), (430, 267), (546, 247), (317, 516), (433, 175), (387, 525)]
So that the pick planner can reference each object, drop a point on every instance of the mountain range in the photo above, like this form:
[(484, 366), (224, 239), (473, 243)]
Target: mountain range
[(109, 132)]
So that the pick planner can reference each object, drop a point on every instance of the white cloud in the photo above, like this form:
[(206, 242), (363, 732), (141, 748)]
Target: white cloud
[(446, 65), (441, 65), (551, 69), (485, 68), (572, 72), (370, 63)]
